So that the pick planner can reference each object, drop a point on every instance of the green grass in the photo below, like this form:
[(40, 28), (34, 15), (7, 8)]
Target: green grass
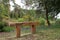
[(48, 33), (8, 29), (43, 32)]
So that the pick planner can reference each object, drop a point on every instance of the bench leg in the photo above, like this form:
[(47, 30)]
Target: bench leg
[(33, 29), (18, 31)]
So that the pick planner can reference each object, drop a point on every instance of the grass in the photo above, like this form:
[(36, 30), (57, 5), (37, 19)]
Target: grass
[(43, 32), (48, 33), (8, 29)]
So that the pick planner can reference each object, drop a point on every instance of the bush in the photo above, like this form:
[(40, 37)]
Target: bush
[(42, 21), (2, 24), (58, 21), (4, 27), (8, 29), (21, 20)]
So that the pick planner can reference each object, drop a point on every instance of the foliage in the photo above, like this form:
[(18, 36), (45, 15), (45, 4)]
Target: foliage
[(3, 10), (51, 8), (8, 29), (21, 20), (2, 25), (41, 21), (58, 21)]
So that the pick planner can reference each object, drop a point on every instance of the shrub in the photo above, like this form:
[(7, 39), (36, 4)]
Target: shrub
[(2, 24), (42, 21), (21, 20), (58, 21), (4, 27), (8, 29)]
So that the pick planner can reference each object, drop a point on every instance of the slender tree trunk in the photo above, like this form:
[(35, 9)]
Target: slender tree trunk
[(47, 20), (8, 9)]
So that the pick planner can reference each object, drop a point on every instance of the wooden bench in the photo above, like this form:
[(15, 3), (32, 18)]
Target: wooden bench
[(18, 27)]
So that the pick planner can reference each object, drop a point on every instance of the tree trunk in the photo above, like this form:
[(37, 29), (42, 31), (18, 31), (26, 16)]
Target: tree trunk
[(47, 20)]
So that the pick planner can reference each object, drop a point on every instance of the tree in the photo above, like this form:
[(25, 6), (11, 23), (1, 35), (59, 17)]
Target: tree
[(3, 10), (18, 11), (44, 2), (50, 6)]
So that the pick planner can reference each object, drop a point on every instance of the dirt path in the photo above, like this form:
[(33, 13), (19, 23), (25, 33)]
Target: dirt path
[(28, 37), (12, 36)]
